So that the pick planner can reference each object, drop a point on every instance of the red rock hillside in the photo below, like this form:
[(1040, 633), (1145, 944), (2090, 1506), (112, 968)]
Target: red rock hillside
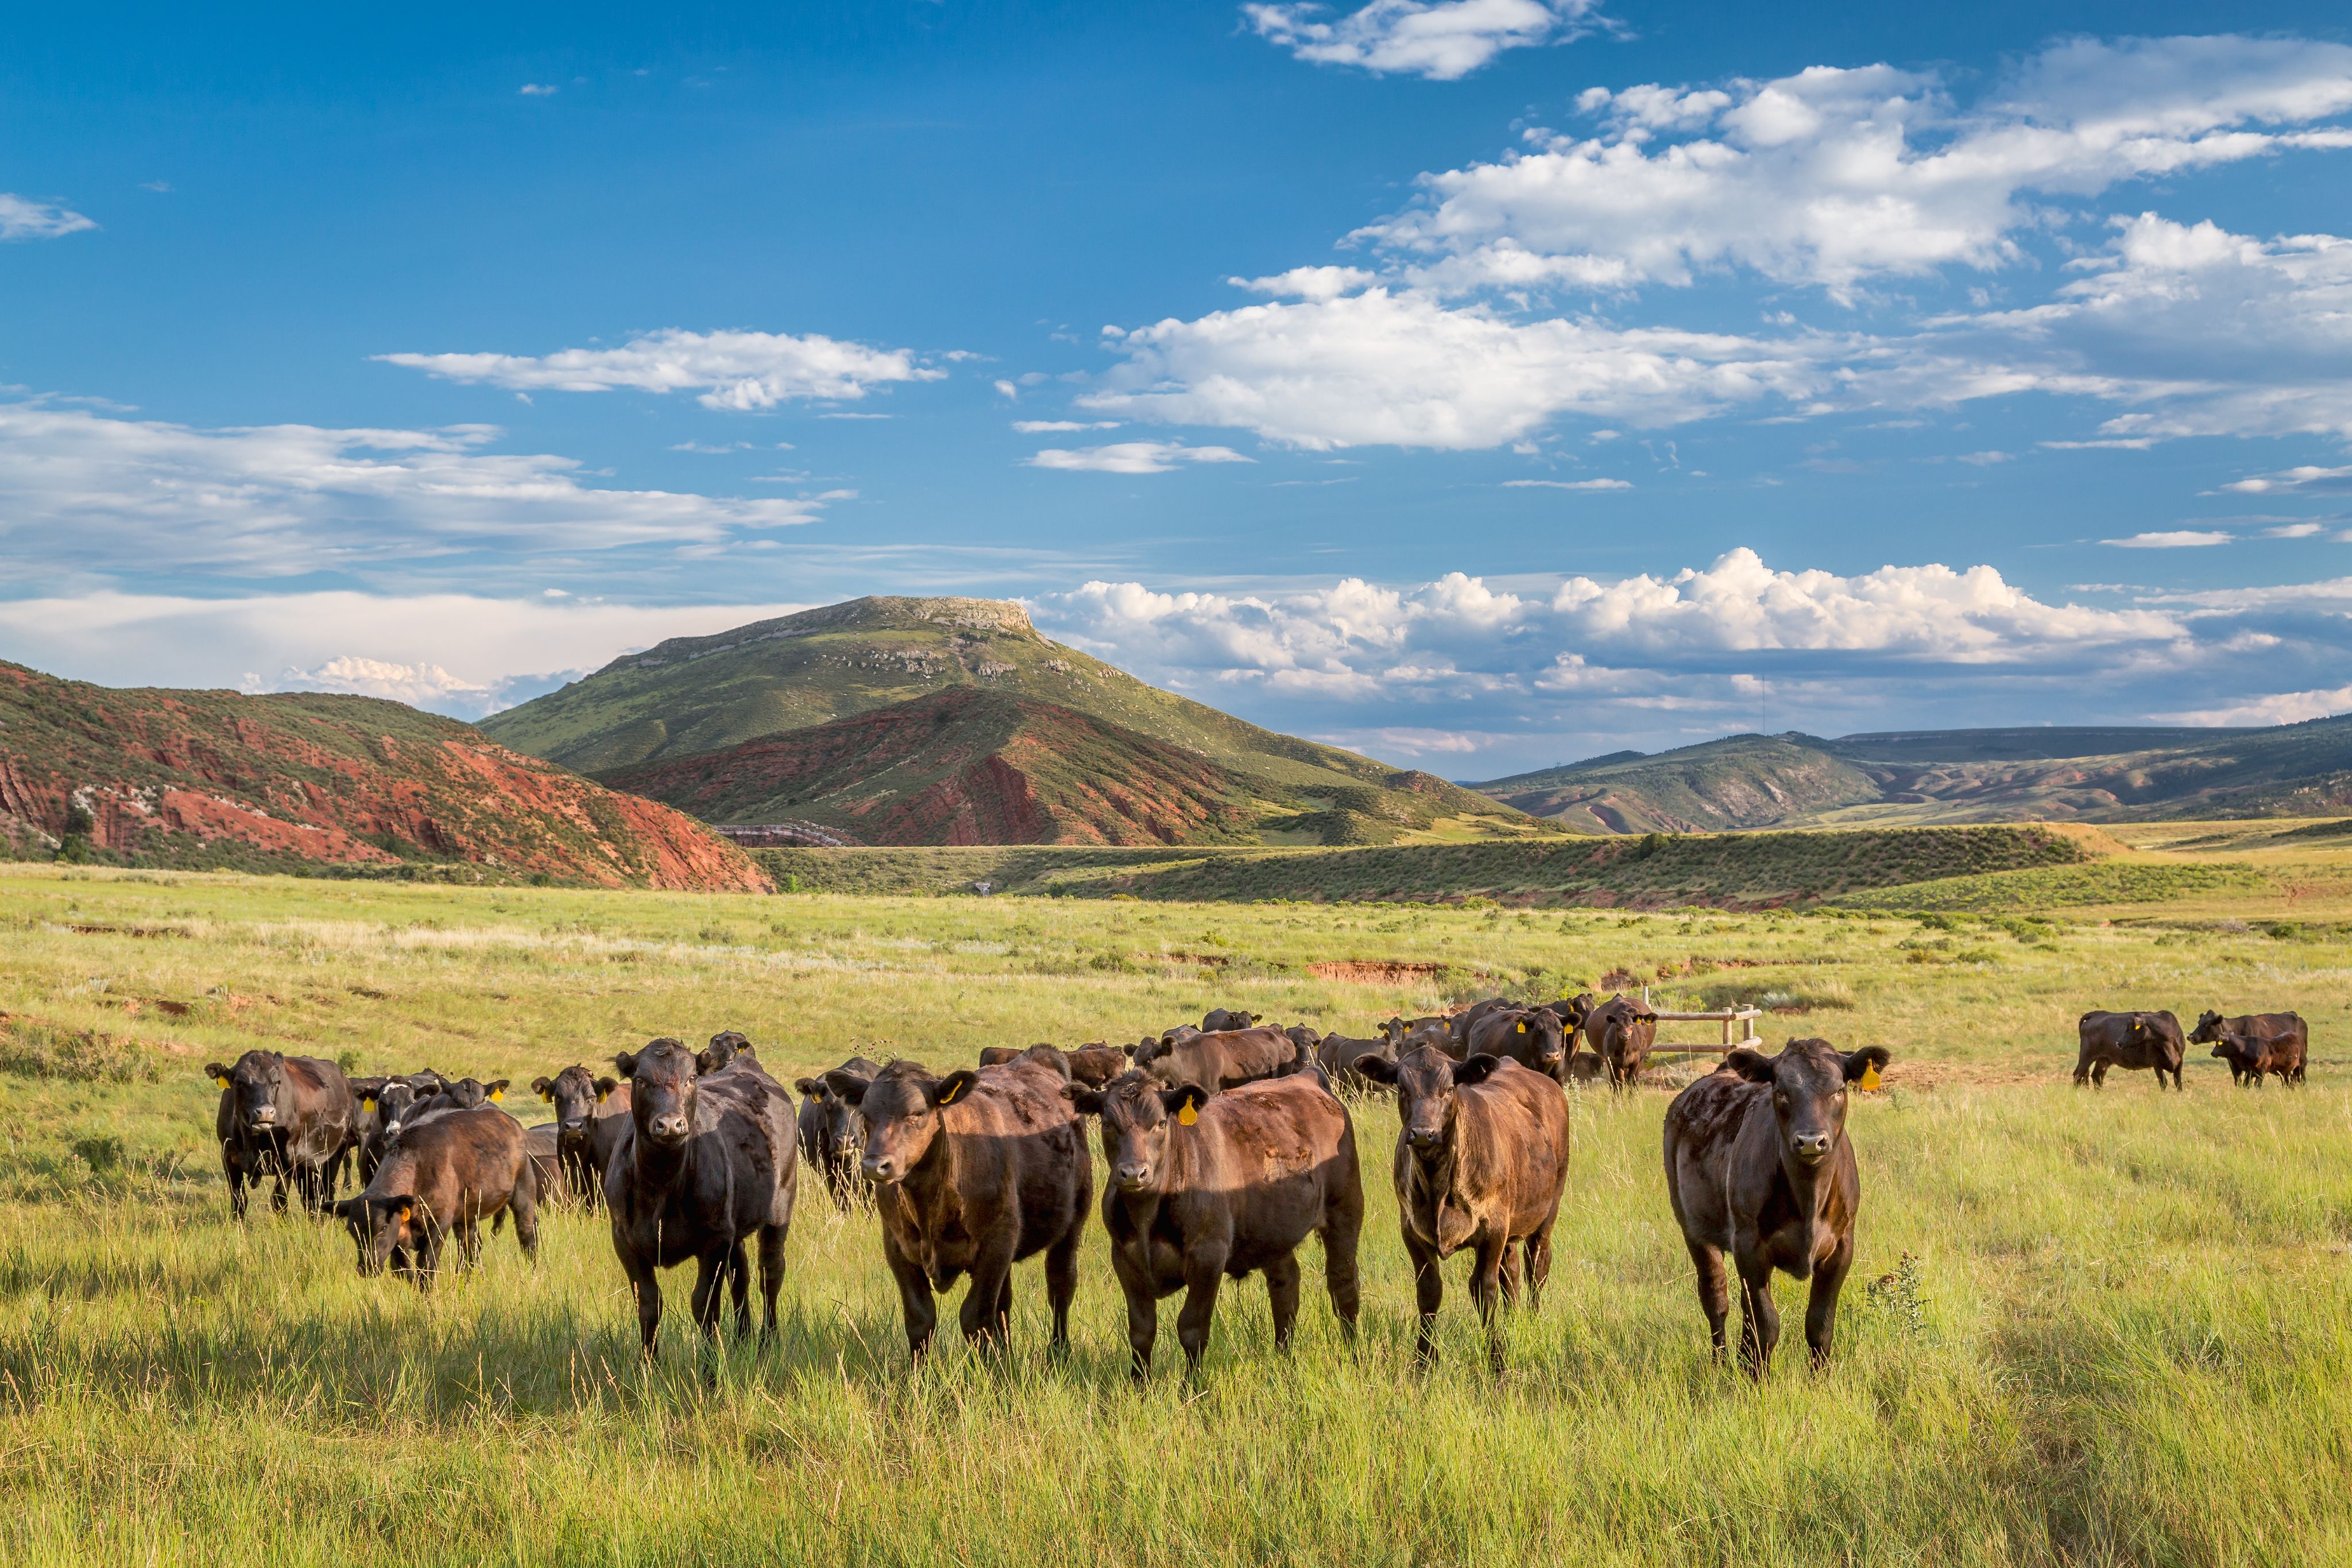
[(291, 782)]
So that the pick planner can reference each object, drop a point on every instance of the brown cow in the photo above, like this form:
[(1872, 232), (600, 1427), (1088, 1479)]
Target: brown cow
[(1459, 1026), (1225, 1059), (1481, 1162), (1093, 1065), (2257, 1043), (831, 1136), (1224, 1021), (707, 1165), (1403, 1033), (591, 1115), (2135, 1040), (1759, 1166), (1573, 1012), (544, 1140), (1621, 1030), (1206, 1188), (1336, 1055), (283, 1116), (974, 1172), (446, 1174), (1529, 1036)]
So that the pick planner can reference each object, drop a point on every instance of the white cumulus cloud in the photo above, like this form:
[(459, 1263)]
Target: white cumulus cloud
[(1441, 39), (740, 371), (2284, 708)]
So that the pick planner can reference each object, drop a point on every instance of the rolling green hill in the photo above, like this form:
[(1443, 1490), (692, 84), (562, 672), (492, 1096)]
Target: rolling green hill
[(702, 697), (2109, 774)]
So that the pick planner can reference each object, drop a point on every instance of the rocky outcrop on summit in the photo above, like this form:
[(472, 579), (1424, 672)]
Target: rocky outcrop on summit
[(288, 782)]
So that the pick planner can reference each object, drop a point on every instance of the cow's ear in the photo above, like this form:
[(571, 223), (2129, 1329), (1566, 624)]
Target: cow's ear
[(849, 1085), (1086, 1101), (544, 1087), (955, 1086), (497, 1087), (706, 1062), (625, 1063), (1184, 1103), (1127, 1051), (1378, 1069), (1520, 1026), (1866, 1063), (808, 1087), (1753, 1065), (1477, 1070), (217, 1073)]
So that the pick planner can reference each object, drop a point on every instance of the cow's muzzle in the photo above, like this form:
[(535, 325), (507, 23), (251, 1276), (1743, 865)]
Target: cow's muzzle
[(264, 1116), (1423, 1139), (1811, 1148), (879, 1168), (670, 1129), (574, 1126), (1132, 1175)]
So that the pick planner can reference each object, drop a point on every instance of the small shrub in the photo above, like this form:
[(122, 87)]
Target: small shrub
[(31, 1050), (1897, 1294)]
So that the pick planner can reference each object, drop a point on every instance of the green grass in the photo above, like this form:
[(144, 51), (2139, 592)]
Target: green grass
[(2065, 887), (2127, 1334)]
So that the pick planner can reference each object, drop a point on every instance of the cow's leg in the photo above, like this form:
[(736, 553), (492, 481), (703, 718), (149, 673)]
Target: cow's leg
[(428, 1256), (278, 1188), (1142, 1312), (1539, 1250), (1714, 1291), (1428, 1293), (1506, 1275), (1203, 1271), (711, 1275), (1062, 1284), (2099, 1074), (738, 1284), (1760, 1324), (1487, 1293), (646, 1282), (525, 1204), (1282, 1295), (1821, 1310), (987, 1310), (915, 1302), (1341, 1229), (2081, 1069), (772, 1278), (234, 1173)]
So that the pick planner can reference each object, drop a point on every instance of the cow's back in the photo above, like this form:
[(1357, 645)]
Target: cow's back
[(1523, 1120), (1705, 1131), (753, 1131), (1020, 1146), (1226, 1059)]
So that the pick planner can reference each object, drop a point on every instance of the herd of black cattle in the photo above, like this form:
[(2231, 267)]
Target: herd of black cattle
[(1227, 1145)]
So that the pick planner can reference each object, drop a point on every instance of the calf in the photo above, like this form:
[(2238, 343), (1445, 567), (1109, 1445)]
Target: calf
[(1621, 1030), (706, 1164), (1224, 1059), (1338, 1055), (1481, 1162), (592, 1114), (1529, 1036), (2254, 1044), (2135, 1040), (445, 1175), (972, 1173), (831, 1136), (1220, 1020), (1759, 1166), (287, 1116), (1206, 1188)]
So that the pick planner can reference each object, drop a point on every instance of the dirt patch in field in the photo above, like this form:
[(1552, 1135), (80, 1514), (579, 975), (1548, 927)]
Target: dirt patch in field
[(1354, 973)]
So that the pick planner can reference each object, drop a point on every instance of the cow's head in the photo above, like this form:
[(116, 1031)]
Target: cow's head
[(724, 1047), (1549, 1046), (1425, 1080), (661, 1089), (1136, 1115), (2207, 1030), (394, 1104), (258, 1084), (1809, 1081), (575, 1096), (900, 1106), (385, 1229), (840, 1131), (1572, 1011)]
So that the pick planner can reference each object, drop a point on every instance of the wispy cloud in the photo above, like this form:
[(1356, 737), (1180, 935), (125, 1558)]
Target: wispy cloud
[(1132, 457), (22, 218), (741, 370), (1568, 485), (2172, 538), (1441, 39)]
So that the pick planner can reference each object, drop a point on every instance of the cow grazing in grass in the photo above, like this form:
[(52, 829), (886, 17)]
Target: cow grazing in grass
[(2256, 1044), (1623, 1030), (972, 1173), (592, 1113), (1758, 1166), (1224, 1059), (706, 1166), (2135, 1040), (831, 1136), (444, 1177), (1093, 1065), (1529, 1036), (288, 1117), (1481, 1162), (1208, 1188)]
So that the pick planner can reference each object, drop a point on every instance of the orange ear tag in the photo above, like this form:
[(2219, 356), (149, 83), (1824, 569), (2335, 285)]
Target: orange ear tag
[(1186, 1117), (1870, 1076)]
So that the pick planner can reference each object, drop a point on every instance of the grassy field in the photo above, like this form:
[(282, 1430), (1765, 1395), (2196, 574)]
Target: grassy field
[(2123, 1333)]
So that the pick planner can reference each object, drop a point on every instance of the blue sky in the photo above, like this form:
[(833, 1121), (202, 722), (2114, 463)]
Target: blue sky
[(1480, 383)]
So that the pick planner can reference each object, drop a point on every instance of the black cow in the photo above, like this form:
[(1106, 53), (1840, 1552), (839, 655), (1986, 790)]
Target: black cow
[(707, 1165), (2135, 1040), (832, 1135), (1532, 1037), (1220, 1019), (591, 1115), (288, 1117), (2254, 1044)]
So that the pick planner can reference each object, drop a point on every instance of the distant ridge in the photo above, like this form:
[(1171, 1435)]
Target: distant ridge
[(697, 697)]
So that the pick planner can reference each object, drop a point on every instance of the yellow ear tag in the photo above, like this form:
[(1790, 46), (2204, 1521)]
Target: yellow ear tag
[(222, 1082), (602, 1095), (1188, 1115), (1870, 1076), (1522, 1026), (950, 1097), (367, 1102), (498, 1093)]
